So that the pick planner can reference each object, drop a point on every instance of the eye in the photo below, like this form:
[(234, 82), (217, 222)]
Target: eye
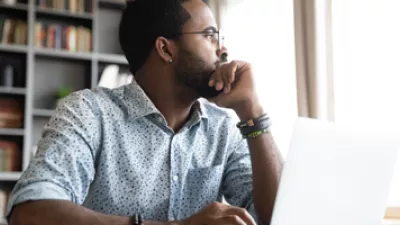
[(212, 36)]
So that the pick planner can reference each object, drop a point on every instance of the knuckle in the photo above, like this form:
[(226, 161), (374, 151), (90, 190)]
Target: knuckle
[(242, 211), (233, 219), (214, 205)]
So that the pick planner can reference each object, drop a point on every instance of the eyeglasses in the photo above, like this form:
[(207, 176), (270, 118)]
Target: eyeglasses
[(214, 35)]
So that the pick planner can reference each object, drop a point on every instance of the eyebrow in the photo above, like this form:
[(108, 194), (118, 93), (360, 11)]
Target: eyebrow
[(211, 28)]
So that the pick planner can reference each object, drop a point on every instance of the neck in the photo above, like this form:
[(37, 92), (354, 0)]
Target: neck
[(169, 98)]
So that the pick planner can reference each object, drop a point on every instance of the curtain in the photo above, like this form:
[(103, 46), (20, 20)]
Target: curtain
[(314, 59)]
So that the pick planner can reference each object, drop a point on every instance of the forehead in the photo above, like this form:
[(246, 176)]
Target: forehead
[(201, 15)]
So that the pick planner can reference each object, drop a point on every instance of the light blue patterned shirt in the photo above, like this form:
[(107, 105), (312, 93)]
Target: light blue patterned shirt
[(111, 151)]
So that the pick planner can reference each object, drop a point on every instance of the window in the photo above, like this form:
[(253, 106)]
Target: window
[(262, 33), (366, 54)]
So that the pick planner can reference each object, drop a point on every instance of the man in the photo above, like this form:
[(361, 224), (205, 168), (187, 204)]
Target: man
[(152, 148)]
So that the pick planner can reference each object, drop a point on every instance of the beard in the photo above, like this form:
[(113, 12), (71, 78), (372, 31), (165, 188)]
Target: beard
[(194, 73)]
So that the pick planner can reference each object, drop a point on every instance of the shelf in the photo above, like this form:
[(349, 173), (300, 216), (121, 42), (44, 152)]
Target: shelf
[(13, 48), (112, 4), (12, 90), (12, 132), (63, 13), (17, 6), (3, 221), (112, 58), (63, 54), (9, 176), (43, 112)]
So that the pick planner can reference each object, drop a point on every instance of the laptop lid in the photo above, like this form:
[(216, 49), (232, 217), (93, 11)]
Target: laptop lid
[(335, 176)]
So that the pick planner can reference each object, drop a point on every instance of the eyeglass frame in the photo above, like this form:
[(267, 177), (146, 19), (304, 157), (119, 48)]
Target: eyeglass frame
[(220, 37)]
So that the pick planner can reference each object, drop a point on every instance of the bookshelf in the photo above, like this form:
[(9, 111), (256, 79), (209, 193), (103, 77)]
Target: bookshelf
[(46, 65), (12, 90), (63, 13), (10, 176), (13, 48), (16, 6), (11, 132), (45, 68)]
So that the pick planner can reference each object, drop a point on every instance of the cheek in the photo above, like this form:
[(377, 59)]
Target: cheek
[(206, 50)]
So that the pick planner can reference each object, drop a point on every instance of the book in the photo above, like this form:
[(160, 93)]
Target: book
[(11, 113), (6, 31), (66, 37), (72, 6), (13, 31), (10, 156), (3, 203)]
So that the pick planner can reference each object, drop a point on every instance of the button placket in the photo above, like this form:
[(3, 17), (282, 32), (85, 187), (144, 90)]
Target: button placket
[(174, 178)]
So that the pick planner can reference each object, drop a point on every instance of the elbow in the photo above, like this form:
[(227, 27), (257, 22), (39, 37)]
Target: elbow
[(23, 215)]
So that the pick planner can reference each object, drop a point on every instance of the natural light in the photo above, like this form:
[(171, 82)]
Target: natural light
[(366, 54), (366, 44), (261, 32)]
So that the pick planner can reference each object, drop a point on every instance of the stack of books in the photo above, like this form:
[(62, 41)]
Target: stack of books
[(3, 203), (13, 31), (67, 37), (73, 6), (11, 113), (10, 157)]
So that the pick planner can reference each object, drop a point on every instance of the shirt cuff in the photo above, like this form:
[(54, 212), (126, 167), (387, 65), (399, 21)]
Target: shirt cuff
[(42, 190)]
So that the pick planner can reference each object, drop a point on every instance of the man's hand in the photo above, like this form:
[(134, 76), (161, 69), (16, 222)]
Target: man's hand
[(236, 79), (218, 213)]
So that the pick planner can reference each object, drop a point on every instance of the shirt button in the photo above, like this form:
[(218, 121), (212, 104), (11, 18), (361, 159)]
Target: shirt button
[(175, 178), (160, 120)]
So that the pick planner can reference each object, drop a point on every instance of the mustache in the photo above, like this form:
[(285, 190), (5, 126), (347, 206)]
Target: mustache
[(217, 63)]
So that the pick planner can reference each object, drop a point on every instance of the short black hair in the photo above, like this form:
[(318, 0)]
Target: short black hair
[(143, 21)]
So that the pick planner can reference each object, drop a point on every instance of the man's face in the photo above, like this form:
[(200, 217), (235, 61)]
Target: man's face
[(195, 73), (198, 57)]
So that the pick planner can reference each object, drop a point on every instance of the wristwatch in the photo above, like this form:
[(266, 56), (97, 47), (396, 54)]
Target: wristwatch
[(137, 219)]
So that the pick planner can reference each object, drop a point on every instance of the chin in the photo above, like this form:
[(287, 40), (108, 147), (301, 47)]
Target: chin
[(208, 92)]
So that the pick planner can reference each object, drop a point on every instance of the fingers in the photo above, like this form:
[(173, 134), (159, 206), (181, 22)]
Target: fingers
[(230, 76), (224, 76), (243, 214), (216, 80), (229, 220), (226, 214)]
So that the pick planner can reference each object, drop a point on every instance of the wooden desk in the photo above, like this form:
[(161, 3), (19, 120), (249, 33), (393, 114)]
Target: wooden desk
[(392, 216)]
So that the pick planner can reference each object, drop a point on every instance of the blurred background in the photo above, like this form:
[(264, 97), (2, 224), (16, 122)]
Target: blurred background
[(336, 60)]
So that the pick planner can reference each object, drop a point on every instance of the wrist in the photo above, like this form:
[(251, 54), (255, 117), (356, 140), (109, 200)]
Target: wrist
[(249, 110), (147, 222), (175, 222)]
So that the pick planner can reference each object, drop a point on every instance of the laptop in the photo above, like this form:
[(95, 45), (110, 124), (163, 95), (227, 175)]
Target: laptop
[(335, 175)]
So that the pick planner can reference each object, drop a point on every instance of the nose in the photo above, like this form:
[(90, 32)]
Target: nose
[(222, 53)]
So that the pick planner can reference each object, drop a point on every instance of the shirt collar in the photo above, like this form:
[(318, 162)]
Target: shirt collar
[(139, 104), (200, 112)]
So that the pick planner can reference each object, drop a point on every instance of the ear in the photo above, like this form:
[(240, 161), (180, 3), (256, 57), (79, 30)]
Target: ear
[(166, 49)]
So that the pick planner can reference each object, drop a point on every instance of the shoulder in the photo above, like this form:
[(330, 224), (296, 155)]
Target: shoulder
[(93, 99)]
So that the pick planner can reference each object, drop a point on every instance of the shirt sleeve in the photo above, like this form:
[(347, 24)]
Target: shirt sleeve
[(63, 166), (238, 178)]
